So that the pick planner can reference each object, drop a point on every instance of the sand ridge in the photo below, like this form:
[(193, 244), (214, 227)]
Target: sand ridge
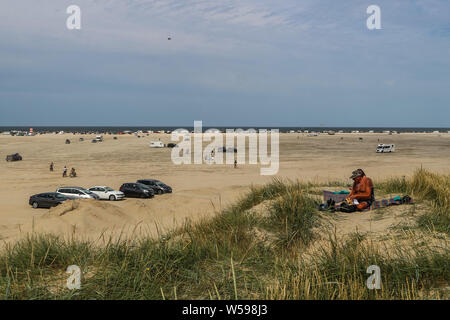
[(199, 190)]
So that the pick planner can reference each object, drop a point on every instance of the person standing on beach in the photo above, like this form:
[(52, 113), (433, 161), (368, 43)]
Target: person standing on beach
[(65, 172), (51, 166), (235, 164)]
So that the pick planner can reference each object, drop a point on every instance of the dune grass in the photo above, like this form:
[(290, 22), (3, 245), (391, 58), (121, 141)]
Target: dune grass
[(236, 254), (425, 185)]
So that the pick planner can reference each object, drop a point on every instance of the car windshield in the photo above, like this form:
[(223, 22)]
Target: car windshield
[(108, 189), (159, 183), (59, 196), (143, 186)]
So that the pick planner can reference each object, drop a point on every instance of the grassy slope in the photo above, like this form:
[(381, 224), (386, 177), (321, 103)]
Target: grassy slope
[(241, 253)]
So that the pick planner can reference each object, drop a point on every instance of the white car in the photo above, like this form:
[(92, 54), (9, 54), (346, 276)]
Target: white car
[(156, 144), (107, 193)]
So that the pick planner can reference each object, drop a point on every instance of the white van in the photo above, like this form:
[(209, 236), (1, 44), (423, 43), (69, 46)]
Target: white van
[(382, 148), (156, 144)]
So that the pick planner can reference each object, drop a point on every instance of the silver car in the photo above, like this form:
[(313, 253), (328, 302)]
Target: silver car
[(77, 193)]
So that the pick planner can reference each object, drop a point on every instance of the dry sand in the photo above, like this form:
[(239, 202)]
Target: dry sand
[(199, 190)]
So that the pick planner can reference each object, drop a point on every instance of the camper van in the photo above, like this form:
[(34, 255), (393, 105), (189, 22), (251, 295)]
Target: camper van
[(383, 148), (156, 144)]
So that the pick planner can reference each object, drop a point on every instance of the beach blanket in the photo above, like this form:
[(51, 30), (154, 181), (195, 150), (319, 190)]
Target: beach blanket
[(386, 203), (391, 202)]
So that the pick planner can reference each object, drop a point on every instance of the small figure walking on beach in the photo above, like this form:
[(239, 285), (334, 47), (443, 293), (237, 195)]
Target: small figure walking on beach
[(51, 166), (235, 164), (65, 172)]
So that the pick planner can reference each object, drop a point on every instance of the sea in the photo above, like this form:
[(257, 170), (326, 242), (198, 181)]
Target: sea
[(118, 129)]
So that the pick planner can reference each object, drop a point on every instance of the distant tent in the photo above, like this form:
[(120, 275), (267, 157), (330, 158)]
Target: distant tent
[(14, 157)]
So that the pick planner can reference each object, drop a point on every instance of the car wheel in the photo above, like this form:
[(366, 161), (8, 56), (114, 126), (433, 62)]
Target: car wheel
[(112, 198), (35, 205), (160, 192)]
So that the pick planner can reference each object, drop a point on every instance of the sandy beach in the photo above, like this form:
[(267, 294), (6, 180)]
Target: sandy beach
[(199, 190)]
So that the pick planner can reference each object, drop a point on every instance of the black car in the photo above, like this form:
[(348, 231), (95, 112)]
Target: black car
[(14, 157), (157, 186), (46, 200), (137, 190)]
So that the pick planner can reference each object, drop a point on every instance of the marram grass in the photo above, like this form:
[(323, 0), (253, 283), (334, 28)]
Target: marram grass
[(240, 254)]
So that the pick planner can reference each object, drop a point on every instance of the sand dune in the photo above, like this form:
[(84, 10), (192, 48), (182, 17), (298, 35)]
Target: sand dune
[(199, 190)]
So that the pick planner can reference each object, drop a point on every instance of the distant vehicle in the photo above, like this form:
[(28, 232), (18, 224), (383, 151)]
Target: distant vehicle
[(229, 149), (94, 141), (14, 157), (157, 186), (67, 141), (107, 193), (81, 139), (156, 144), (172, 145), (137, 190), (384, 148), (46, 200), (77, 193), (99, 138)]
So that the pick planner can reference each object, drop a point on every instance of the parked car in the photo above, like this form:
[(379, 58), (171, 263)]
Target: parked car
[(157, 186), (46, 200), (107, 193), (156, 144), (67, 141), (14, 157), (137, 190), (172, 145), (77, 193), (383, 148)]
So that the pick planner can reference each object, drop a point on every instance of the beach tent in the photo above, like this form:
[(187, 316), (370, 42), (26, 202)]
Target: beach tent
[(14, 157)]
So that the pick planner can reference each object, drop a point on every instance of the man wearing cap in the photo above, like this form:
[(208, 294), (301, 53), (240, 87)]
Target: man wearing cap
[(362, 194)]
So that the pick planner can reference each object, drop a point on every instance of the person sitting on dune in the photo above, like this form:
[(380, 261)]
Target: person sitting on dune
[(73, 174), (362, 192)]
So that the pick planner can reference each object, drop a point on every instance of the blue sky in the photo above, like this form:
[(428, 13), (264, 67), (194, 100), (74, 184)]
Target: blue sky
[(229, 63)]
